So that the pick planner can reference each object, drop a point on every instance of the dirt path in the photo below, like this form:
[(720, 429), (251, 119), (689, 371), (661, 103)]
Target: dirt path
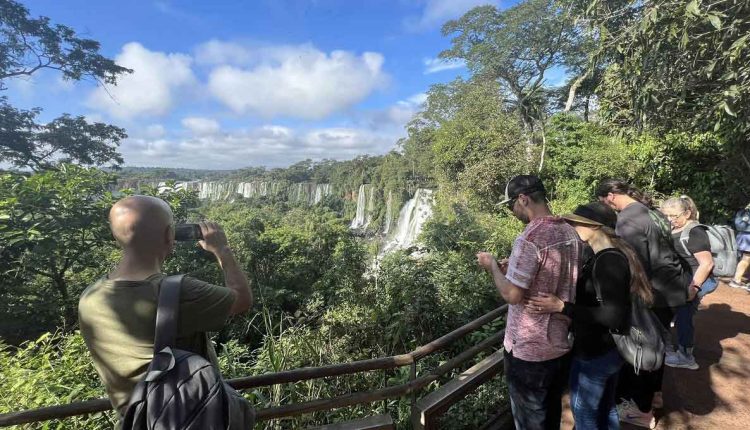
[(716, 396)]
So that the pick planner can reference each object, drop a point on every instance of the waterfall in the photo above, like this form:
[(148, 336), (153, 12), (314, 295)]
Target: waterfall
[(321, 191), (388, 215), (411, 219), (362, 217)]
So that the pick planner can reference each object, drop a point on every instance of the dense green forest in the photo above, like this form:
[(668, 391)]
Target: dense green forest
[(658, 93)]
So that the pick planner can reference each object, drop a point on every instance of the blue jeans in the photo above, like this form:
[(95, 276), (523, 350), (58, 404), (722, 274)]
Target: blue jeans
[(593, 384), (685, 313), (535, 389)]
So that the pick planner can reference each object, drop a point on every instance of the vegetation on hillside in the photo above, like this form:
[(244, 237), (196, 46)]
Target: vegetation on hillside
[(657, 95)]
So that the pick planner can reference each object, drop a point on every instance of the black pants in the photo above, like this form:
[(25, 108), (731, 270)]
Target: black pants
[(536, 391), (641, 387)]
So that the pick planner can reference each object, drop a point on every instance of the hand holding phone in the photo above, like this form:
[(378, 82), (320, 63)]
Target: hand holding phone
[(187, 232)]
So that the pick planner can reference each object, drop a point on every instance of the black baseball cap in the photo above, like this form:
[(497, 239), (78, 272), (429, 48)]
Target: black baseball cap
[(596, 213), (522, 184)]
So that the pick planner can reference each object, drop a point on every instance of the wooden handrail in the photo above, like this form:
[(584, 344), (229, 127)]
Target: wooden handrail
[(383, 393), (296, 375)]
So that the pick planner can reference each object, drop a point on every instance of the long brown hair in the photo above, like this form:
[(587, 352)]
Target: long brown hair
[(639, 283), (617, 186)]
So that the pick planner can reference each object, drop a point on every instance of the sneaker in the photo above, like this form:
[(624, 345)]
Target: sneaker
[(681, 360), (658, 401), (629, 413), (735, 284)]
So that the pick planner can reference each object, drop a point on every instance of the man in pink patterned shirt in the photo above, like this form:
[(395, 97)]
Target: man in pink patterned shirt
[(544, 260)]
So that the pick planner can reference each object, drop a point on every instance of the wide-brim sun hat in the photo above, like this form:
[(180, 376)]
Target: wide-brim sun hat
[(594, 214)]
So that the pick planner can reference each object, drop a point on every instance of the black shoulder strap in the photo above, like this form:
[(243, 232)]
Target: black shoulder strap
[(595, 281), (167, 312), (593, 274)]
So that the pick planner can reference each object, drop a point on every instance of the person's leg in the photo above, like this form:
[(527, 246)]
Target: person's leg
[(559, 371), (590, 379), (647, 383), (742, 267), (608, 418), (528, 384)]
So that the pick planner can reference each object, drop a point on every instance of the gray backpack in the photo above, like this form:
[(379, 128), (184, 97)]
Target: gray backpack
[(182, 390), (643, 341), (723, 246)]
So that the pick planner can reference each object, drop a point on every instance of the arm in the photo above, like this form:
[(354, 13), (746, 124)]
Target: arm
[(215, 241), (634, 235), (699, 245), (613, 275), (509, 292), (705, 266)]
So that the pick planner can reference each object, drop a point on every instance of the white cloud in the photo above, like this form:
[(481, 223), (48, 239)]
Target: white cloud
[(434, 65), (292, 81), (150, 89), (216, 52), (437, 12), (201, 126), (269, 145), (392, 119), (155, 131)]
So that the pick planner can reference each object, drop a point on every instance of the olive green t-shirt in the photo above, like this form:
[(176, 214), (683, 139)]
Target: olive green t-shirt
[(118, 318)]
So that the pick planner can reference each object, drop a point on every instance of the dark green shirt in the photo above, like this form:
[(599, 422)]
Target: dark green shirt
[(118, 318)]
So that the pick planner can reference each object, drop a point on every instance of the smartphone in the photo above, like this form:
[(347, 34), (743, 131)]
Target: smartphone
[(187, 232)]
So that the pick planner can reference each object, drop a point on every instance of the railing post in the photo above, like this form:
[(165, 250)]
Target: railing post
[(412, 377)]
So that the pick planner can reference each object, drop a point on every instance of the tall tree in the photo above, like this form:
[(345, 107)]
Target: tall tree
[(516, 47), (676, 65), (28, 45)]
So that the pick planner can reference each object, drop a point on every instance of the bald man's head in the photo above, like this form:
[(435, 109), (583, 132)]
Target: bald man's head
[(142, 223)]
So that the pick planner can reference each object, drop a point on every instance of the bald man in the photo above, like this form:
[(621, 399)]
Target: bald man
[(117, 314)]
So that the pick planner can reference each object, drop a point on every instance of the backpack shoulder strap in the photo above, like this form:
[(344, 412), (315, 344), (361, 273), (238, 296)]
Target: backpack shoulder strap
[(685, 234), (167, 312)]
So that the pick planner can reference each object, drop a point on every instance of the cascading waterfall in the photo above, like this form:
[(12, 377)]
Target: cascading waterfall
[(362, 217), (411, 219), (321, 191), (388, 216), (305, 192)]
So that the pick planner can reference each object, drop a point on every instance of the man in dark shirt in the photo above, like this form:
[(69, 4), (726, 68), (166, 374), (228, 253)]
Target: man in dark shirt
[(649, 233)]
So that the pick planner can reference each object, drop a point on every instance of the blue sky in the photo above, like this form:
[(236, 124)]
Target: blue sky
[(229, 84)]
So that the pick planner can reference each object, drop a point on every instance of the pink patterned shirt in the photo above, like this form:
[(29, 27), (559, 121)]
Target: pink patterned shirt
[(545, 258)]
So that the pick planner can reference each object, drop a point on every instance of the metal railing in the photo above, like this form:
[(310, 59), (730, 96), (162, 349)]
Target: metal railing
[(413, 386)]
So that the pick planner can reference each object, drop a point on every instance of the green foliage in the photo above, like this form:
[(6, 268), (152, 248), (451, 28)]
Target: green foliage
[(476, 145), (31, 44), (53, 227), (27, 143), (516, 47), (681, 65), (53, 369)]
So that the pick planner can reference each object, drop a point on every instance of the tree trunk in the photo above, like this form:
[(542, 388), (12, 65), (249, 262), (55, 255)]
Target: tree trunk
[(586, 109), (69, 311), (572, 91), (544, 148)]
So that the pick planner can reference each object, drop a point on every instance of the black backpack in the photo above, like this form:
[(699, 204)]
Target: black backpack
[(182, 390), (643, 342)]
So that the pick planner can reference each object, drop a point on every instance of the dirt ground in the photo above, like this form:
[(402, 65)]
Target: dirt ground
[(716, 396)]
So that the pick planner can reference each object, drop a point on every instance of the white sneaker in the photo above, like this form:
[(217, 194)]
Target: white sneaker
[(629, 413), (681, 360), (670, 357)]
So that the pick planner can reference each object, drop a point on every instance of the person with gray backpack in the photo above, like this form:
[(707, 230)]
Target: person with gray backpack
[(704, 248), (119, 314), (742, 226), (649, 233)]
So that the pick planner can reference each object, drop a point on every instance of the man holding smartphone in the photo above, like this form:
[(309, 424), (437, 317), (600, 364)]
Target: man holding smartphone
[(544, 259), (117, 313)]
